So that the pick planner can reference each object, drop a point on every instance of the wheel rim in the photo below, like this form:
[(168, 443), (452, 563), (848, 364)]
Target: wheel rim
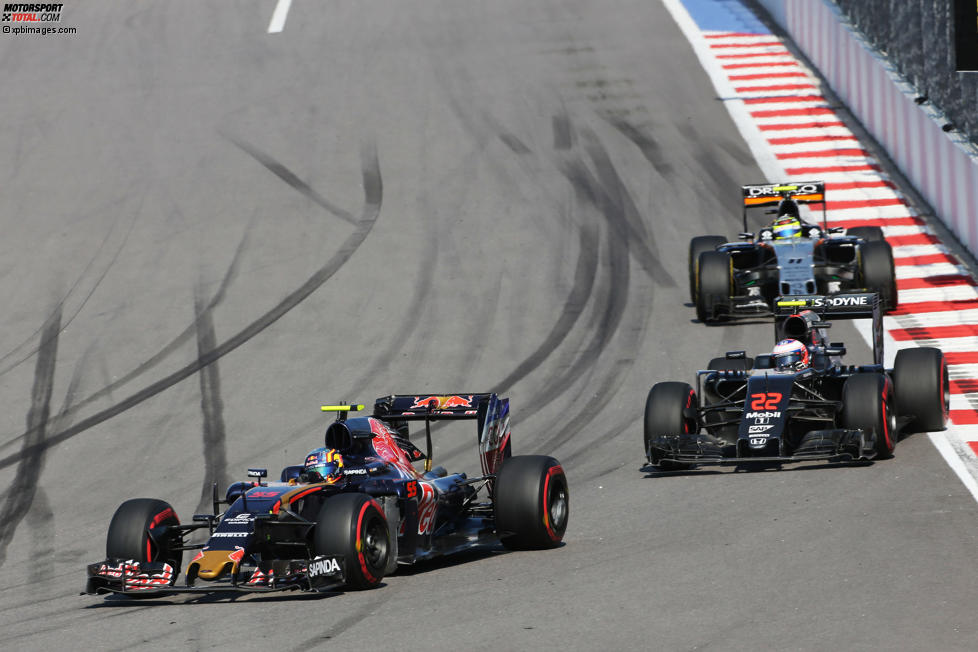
[(557, 507), (375, 543)]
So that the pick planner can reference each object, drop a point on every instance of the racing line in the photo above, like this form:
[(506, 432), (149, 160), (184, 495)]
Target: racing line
[(795, 133)]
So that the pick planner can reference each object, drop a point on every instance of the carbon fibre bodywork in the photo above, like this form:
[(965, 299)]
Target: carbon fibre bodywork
[(265, 539), (747, 413), (819, 260)]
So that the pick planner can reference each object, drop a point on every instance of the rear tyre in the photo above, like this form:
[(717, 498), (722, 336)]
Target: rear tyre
[(139, 530), (714, 285), (669, 410), (920, 385), (867, 233), (353, 525), (866, 405), (698, 245), (531, 502), (876, 265)]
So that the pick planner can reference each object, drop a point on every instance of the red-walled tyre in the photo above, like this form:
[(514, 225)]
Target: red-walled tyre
[(868, 406), (353, 525), (532, 502), (139, 531)]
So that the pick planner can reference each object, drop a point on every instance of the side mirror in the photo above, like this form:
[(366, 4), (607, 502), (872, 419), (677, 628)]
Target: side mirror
[(746, 235)]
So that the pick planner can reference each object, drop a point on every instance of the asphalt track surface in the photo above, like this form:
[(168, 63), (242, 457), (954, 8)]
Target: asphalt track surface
[(210, 230)]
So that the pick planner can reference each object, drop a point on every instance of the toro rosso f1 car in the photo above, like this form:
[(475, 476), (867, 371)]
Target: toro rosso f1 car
[(759, 412), (353, 523), (790, 257)]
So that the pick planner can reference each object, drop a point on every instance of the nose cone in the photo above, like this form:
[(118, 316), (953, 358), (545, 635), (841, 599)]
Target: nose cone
[(214, 564)]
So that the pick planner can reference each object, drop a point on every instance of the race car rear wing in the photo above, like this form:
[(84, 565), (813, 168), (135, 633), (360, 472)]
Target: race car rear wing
[(491, 412), (772, 194), (865, 305)]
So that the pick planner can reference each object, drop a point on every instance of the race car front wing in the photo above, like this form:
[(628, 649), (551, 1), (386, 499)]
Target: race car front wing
[(128, 576), (830, 445)]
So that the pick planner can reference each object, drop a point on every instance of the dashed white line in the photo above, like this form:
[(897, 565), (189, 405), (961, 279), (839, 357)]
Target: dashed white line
[(278, 16)]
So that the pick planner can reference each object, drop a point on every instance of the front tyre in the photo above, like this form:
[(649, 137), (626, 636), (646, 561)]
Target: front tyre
[(920, 384), (140, 530), (531, 501), (867, 400), (670, 409), (353, 525)]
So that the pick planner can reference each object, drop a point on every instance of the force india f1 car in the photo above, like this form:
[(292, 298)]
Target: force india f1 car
[(742, 279), (311, 533), (755, 415)]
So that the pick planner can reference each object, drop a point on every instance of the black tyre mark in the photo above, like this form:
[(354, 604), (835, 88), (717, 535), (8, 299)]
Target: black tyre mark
[(169, 348), (584, 276), (212, 407), (418, 307), (514, 143), (290, 178), (60, 306), (629, 224), (646, 144), (373, 195), (88, 296), (605, 321), (319, 641), (21, 493), (563, 134)]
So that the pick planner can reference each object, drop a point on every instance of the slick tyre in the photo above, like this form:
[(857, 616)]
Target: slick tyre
[(920, 385), (867, 233), (139, 530), (867, 402), (531, 502), (698, 245), (669, 410), (714, 285), (353, 525), (876, 266)]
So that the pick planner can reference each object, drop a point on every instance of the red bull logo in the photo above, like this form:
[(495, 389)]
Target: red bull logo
[(441, 402)]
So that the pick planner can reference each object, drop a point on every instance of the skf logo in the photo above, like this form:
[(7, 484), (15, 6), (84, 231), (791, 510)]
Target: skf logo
[(31, 13), (441, 402)]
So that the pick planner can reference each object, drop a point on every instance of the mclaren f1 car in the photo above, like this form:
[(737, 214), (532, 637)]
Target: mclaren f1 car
[(351, 521), (768, 411), (789, 257)]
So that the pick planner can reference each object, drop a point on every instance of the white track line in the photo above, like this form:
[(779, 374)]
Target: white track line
[(278, 16)]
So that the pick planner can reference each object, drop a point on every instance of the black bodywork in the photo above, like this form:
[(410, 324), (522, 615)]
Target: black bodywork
[(263, 540), (747, 413), (822, 261)]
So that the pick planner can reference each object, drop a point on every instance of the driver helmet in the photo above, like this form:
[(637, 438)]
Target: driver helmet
[(324, 465), (790, 354), (787, 226)]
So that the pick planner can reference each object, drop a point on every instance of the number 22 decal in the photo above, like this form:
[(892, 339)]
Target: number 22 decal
[(768, 401)]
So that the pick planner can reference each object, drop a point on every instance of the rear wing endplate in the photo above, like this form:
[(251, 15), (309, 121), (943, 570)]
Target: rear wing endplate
[(491, 412), (862, 305)]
